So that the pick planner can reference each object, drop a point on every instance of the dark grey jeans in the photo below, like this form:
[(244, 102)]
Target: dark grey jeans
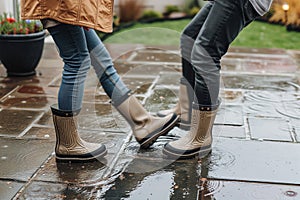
[(206, 39)]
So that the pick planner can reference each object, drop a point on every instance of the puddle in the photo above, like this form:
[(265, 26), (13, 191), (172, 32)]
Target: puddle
[(207, 189), (175, 181), (41, 190), (218, 158)]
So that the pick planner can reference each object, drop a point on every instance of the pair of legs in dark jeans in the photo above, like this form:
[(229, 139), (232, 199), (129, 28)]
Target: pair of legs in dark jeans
[(204, 42)]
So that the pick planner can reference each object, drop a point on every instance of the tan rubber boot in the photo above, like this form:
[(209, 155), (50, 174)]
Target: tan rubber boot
[(198, 141), (145, 127), (69, 145), (182, 108)]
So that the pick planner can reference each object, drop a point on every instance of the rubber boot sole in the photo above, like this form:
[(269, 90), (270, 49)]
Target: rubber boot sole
[(179, 154), (88, 157)]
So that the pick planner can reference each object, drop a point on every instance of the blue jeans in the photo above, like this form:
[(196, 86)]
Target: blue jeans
[(206, 39), (79, 49)]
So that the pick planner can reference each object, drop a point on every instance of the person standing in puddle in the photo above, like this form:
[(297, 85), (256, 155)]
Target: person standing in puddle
[(72, 25), (204, 42)]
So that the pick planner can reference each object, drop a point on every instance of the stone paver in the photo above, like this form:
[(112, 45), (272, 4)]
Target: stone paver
[(8, 189), (256, 132)]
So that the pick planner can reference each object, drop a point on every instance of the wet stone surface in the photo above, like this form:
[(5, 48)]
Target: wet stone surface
[(168, 78), (161, 99), (94, 116), (75, 173), (41, 133), (255, 144), (255, 65), (9, 119), (230, 115), (262, 82), (4, 90), (90, 172), (271, 104), (38, 102), (258, 50), (157, 56), (137, 84), (269, 129), (232, 96), (46, 119), (296, 128), (275, 162), (144, 70), (8, 189), (20, 159), (101, 117), (212, 189), (41, 190), (229, 131)]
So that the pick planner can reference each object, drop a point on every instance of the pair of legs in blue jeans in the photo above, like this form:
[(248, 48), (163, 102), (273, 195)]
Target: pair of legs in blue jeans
[(80, 48)]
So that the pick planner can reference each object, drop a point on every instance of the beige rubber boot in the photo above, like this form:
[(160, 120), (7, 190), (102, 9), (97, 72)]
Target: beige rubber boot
[(198, 141), (182, 108), (145, 127), (69, 145)]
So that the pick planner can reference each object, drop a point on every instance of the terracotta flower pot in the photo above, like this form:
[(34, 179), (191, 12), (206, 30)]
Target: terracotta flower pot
[(20, 54)]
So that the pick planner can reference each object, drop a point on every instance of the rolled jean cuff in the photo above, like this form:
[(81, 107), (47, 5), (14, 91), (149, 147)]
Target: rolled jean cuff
[(206, 107), (120, 100)]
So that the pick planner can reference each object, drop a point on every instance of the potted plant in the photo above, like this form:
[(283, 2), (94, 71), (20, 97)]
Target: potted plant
[(21, 45)]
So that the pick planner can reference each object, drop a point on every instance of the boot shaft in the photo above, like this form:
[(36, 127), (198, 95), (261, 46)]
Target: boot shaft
[(202, 124), (65, 124), (134, 113)]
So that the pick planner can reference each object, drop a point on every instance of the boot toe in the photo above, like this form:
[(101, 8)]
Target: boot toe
[(148, 140)]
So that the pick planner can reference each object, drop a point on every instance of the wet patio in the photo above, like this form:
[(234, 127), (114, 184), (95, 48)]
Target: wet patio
[(256, 132)]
